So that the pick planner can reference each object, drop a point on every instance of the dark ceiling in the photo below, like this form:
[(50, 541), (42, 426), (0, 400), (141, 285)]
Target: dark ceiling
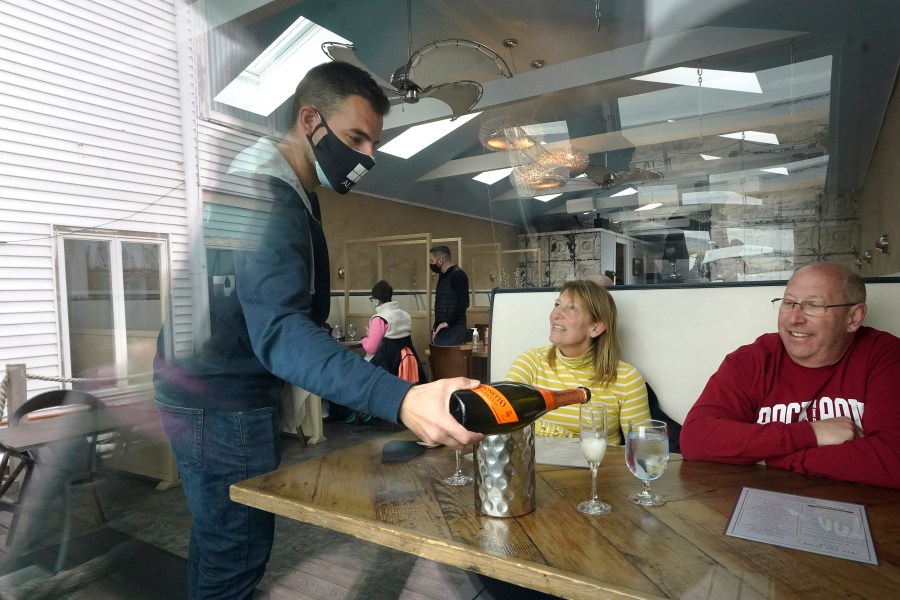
[(827, 112)]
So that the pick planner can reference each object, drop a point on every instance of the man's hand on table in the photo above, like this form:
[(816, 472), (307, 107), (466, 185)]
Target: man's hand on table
[(426, 411)]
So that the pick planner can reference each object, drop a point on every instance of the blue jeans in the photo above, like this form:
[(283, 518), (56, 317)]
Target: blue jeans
[(230, 543), (453, 335)]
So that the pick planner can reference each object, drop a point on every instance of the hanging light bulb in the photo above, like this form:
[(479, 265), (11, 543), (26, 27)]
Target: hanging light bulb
[(508, 134), (575, 160)]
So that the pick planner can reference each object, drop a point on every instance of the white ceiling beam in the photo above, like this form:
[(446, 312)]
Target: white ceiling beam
[(638, 59)]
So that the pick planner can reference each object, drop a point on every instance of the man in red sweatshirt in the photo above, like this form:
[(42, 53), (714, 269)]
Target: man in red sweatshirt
[(822, 396)]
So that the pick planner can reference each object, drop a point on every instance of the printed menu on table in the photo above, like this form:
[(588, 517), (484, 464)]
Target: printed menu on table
[(838, 529)]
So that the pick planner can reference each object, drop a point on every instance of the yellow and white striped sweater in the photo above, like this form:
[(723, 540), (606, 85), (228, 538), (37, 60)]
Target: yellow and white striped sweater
[(625, 397)]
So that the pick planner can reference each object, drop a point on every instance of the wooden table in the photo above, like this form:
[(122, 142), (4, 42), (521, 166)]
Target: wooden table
[(30, 434), (674, 551), (20, 440), (355, 345)]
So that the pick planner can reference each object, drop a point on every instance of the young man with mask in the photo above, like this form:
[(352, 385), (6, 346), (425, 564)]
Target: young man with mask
[(220, 407), (451, 299)]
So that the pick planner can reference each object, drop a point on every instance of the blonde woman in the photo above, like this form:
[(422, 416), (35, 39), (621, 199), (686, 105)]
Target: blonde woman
[(584, 351)]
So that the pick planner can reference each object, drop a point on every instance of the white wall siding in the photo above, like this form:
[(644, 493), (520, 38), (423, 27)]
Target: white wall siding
[(91, 138), (218, 147)]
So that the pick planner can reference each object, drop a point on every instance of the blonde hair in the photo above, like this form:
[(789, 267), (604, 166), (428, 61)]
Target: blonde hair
[(601, 307)]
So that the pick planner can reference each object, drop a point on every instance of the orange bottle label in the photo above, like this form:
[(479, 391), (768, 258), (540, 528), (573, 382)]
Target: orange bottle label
[(497, 402)]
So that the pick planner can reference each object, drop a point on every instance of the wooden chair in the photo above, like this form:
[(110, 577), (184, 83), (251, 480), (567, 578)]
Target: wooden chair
[(58, 468), (449, 361)]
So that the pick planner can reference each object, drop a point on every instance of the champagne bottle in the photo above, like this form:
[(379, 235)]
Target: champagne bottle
[(506, 406)]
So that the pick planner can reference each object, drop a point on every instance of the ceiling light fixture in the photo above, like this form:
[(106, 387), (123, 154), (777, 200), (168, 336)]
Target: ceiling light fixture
[(538, 177), (575, 160), (504, 134), (450, 70)]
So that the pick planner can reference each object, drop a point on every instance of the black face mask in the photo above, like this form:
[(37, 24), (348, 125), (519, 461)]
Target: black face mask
[(435, 268), (338, 165)]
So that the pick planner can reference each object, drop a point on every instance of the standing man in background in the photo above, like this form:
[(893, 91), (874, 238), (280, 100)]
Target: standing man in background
[(451, 299)]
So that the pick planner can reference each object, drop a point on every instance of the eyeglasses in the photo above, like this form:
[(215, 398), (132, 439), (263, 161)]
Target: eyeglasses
[(372, 299), (807, 307)]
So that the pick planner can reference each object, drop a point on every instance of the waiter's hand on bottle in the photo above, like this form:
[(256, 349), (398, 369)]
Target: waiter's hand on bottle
[(426, 412)]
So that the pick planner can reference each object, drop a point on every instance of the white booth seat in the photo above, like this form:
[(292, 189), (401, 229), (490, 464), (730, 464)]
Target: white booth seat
[(675, 336)]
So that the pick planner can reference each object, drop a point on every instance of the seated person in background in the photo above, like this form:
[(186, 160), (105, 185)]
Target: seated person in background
[(584, 352), (601, 279), (822, 396), (386, 336)]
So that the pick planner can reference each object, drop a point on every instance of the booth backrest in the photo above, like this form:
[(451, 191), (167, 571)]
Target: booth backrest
[(676, 337)]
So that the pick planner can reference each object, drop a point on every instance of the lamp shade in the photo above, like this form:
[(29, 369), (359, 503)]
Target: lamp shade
[(575, 160), (536, 177), (504, 134)]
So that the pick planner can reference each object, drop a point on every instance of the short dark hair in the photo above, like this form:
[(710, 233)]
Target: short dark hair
[(441, 252), (326, 85), (382, 291)]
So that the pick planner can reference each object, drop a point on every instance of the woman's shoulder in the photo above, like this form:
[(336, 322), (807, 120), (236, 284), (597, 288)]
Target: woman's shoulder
[(624, 369)]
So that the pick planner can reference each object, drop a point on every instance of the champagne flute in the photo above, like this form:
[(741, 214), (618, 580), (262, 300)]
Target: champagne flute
[(458, 478), (337, 333), (647, 454), (592, 428), (351, 331)]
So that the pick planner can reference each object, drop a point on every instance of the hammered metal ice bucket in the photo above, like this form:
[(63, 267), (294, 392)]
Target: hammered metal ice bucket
[(504, 474)]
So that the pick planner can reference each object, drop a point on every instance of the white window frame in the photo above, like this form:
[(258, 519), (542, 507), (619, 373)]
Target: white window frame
[(117, 296), (206, 104)]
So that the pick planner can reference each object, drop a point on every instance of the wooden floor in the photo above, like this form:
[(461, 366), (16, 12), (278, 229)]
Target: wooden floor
[(307, 562)]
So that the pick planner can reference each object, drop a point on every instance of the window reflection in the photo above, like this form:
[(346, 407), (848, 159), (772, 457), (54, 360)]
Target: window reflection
[(90, 311), (114, 310)]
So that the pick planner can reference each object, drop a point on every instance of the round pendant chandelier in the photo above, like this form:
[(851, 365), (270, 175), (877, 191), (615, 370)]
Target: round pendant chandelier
[(507, 134), (575, 160), (537, 177)]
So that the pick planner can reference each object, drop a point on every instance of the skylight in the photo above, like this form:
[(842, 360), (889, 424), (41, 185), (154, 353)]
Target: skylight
[(273, 76), (776, 170), (419, 137), (626, 192), (718, 197), (723, 80), (650, 206), (491, 177), (759, 137), (710, 157), (547, 197)]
